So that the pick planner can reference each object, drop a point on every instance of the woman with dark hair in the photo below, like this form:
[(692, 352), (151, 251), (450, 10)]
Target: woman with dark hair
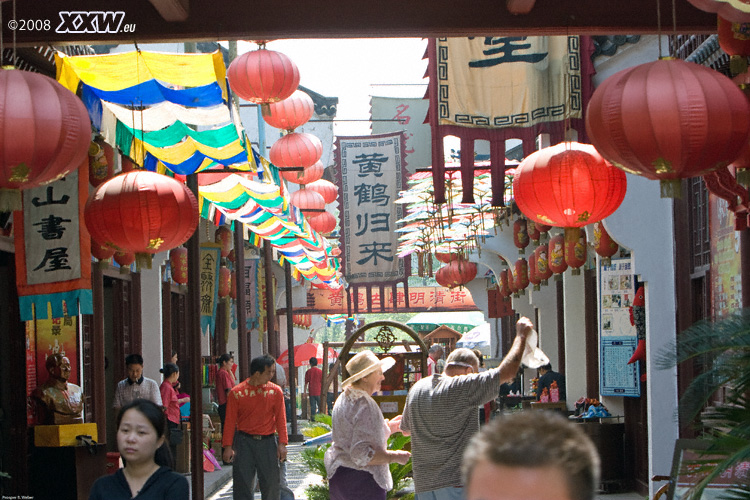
[(141, 425), (172, 404)]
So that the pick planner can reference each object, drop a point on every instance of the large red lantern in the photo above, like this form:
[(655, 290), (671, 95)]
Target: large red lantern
[(604, 245), (520, 235), (292, 112), (306, 176), (556, 254), (101, 162), (223, 236), (568, 185), (668, 120), (737, 11), (542, 264), (141, 212), (309, 202), (575, 248), (521, 274), (45, 133), (263, 76), (327, 189), (297, 149), (178, 262), (225, 281), (533, 276), (323, 223), (456, 273)]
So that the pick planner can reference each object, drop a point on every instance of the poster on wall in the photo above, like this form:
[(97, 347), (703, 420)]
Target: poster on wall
[(618, 338), (726, 262)]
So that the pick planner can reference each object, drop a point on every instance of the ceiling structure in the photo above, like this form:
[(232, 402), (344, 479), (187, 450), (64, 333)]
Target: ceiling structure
[(180, 20)]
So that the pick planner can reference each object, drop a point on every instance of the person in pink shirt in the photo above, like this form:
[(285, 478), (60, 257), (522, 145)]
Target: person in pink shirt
[(171, 404), (224, 382)]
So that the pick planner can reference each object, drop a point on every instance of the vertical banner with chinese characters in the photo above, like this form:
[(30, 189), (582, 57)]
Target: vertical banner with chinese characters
[(371, 174), (393, 114), (726, 261), (53, 249), (618, 336), (30, 371), (508, 81), (251, 293), (210, 260)]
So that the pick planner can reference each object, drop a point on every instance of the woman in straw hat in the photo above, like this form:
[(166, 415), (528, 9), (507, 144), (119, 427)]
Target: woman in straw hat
[(357, 461)]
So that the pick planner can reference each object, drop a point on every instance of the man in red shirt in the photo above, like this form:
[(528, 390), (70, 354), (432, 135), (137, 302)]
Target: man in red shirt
[(313, 386), (255, 413)]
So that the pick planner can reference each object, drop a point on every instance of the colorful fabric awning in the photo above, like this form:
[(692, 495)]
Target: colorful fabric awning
[(151, 107)]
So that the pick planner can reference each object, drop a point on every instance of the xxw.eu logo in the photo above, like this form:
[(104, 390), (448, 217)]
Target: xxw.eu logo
[(92, 22)]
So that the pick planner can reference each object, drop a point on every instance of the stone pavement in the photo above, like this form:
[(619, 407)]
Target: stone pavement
[(297, 476)]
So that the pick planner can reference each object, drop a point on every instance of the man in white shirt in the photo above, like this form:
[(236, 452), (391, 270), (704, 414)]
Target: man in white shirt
[(136, 385)]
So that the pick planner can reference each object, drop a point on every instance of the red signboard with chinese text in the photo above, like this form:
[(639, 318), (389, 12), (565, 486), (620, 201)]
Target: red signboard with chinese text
[(433, 299)]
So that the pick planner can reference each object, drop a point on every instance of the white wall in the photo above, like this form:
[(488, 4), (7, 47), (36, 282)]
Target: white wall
[(151, 318)]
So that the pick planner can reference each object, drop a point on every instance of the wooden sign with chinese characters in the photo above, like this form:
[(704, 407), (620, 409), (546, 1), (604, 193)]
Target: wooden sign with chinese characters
[(432, 299), (508, 81), (53, 249), (371, 174), (209, 269)]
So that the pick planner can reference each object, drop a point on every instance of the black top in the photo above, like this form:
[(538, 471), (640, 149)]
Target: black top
[(547, 379), (163, 484)]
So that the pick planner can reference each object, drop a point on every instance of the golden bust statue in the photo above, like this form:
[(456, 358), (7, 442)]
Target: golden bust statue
[(59, 402)]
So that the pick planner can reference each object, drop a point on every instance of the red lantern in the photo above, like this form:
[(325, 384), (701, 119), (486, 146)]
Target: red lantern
[(124, 259), (101, 162), (520, 235), (557, 262), (575, 248), (292, 112), (263, 76), (307, 320), (521, 274), (456, 273), (604, 245), (543, 231), (543, 270), (225, 281), (100, 252), (533, 277), (533, 231), (568, 185), (668, 120), (231, 257), (323, 223), (309, 202), (297, 149), (44, 133), (737, 11), (141, 212), (504, 286), (224, 236), (306, 176), (178, 261), (445, 257), (335, 251), (734, 39), (511, 279), (327, 189)]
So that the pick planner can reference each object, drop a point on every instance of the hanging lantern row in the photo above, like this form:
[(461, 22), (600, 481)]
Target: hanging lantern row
[(296, 150), (604, 245), (292, 112), (327, 189), (302, 320), (533, 274), (141, 212), (224, 237), (45, 133), (306, 176), (225, 282), (178, 263), (520, 235), (668, 120), (101, 252), (541, 256), (323, 223)]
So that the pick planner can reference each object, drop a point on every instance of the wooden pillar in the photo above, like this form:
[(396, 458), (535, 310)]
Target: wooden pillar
[(98, 378), (194, 342), (239, 279), (290, 347), (273, 336)]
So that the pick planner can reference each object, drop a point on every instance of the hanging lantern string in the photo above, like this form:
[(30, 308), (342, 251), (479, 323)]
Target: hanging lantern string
[(658, 26)]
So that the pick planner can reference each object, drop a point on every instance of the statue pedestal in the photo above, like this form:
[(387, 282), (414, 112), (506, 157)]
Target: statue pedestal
[(66, 473), (63, 435)]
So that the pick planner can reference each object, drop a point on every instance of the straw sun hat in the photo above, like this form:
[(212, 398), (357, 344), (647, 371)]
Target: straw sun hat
[(364, 363)]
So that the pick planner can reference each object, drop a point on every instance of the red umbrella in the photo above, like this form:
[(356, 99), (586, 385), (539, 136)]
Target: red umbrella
[(303, 353)]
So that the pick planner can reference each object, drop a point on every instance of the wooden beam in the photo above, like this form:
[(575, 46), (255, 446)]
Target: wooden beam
[(172, 10), (236, 19)]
